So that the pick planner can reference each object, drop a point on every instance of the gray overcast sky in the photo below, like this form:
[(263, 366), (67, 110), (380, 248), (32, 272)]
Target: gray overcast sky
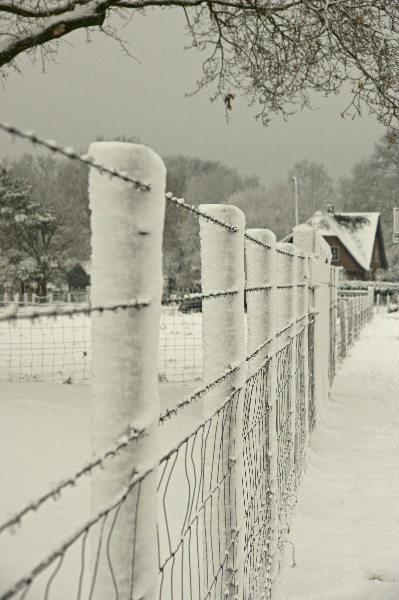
[(95, 89)]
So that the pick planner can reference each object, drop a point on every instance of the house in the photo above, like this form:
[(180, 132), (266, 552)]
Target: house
[(355, 240)]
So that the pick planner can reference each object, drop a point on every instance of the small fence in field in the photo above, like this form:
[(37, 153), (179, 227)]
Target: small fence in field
[(207, 517)]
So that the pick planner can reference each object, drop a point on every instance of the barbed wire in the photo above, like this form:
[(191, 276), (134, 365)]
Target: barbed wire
[(70, 153), (191, 208), (198, 296), (113, 450), (258, 349), (281, 331), (189, 399), (259, 288), (60, 552), (285, 287), (12, 312), (255, 240), (279, 251)]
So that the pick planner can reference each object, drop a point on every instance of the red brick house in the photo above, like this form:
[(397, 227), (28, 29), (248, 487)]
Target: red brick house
[(355, 240)]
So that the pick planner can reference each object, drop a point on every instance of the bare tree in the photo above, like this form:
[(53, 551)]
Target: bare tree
[(274, 51)]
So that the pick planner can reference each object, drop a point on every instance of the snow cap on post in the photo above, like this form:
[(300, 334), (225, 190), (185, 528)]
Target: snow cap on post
[(304, 238)]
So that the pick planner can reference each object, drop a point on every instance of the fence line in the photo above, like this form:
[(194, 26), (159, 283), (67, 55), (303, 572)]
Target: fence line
[(224, 492)]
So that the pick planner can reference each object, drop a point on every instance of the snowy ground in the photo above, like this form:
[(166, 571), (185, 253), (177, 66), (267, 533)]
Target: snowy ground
[(45, 438), (345, 524)]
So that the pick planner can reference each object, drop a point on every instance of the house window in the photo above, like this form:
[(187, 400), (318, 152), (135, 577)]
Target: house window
[(335, 253)]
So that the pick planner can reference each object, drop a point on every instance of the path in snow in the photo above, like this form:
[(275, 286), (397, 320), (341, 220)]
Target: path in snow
[(345, 524)]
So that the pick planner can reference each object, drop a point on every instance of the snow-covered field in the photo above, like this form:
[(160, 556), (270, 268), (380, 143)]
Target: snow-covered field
[(345, 524), (59, 350)]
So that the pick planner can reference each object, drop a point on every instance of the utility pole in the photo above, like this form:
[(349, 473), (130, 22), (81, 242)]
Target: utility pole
[(296, 201)]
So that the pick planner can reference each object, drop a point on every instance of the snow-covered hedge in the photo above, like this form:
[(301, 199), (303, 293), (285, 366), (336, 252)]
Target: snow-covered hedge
[(382, 287)]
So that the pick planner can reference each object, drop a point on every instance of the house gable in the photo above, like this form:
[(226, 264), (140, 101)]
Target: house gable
[(357, 239)]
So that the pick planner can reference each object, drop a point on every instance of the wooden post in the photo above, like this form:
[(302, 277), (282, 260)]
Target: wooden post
[(223, 332), (261, 319), (378, 302), (127, 224)]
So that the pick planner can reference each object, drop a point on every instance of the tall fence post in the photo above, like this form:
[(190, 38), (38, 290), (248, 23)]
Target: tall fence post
[(127, 223), (261, 295), (223, 331)]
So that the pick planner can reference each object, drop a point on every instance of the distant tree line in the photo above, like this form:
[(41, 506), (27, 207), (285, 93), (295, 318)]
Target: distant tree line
[(45, 216)]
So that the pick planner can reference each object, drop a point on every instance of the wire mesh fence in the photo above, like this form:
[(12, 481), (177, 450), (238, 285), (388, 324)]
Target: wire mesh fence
[(257, 484), (60, 350), (196, 539), (45, 348)]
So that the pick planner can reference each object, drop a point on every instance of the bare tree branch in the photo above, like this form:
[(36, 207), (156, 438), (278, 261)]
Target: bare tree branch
[(272, 51)]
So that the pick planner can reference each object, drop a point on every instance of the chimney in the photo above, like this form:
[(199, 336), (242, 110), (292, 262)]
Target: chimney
[(330, 208)]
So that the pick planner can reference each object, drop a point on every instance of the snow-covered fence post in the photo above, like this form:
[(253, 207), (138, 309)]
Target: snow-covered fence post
[(16, 300), (25, 299), (261, 298), (127, 223), (223, 334), (378, 302)]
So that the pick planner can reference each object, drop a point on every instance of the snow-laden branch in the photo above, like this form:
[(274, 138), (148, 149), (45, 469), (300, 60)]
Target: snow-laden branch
[(91, 14)]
